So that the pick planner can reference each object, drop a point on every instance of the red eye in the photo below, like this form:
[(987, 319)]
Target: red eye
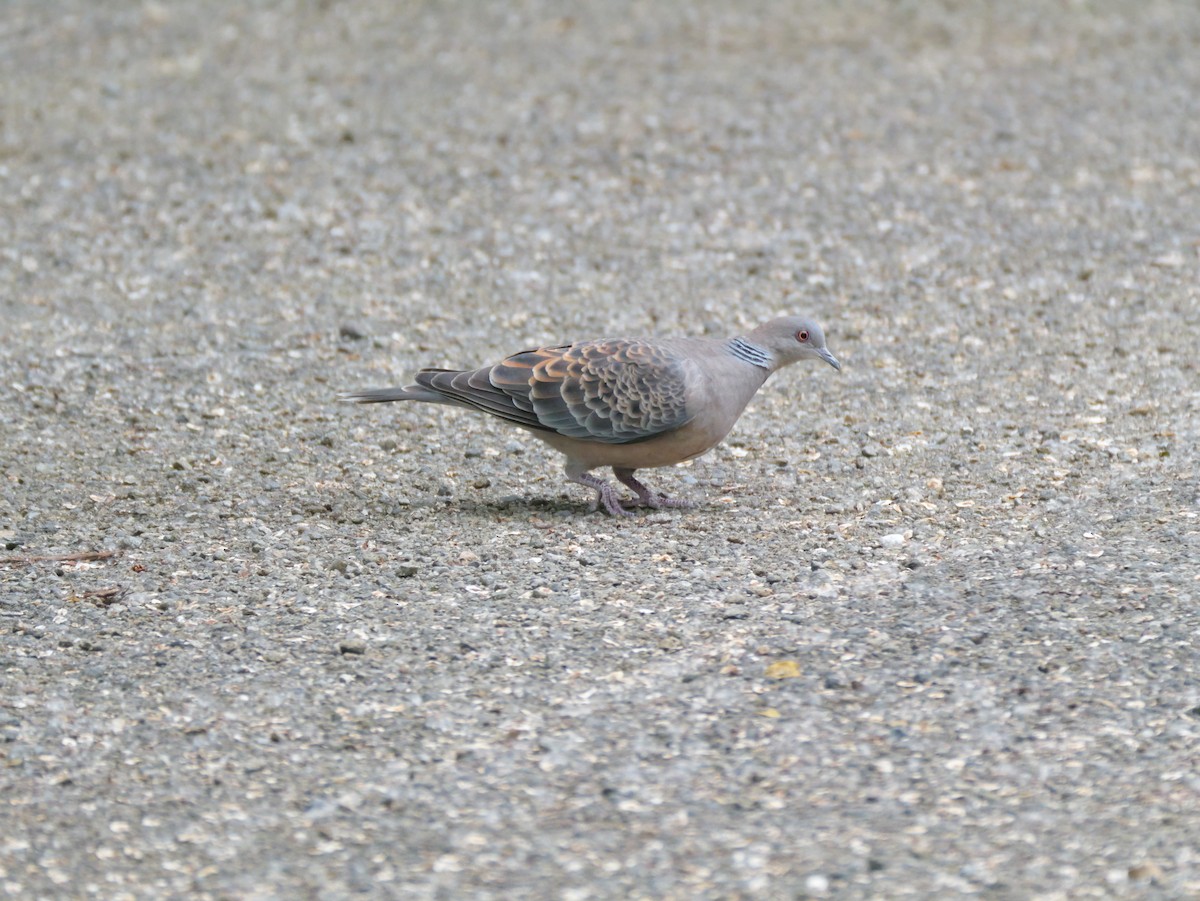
[(802, 335)]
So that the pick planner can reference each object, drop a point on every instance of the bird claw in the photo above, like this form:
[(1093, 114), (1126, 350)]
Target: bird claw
[(607, 498), (612, 504), (661, 501), (657, 501), (647, 497)]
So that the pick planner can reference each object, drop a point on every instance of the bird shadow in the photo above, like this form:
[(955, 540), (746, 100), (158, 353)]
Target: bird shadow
[(563, 510)]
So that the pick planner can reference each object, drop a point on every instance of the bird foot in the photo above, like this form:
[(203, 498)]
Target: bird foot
[(606, 495), (647, 497), (608, 498), (660, 501)]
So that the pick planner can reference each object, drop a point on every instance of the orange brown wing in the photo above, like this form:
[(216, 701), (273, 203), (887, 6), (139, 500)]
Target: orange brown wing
[(616, 391)]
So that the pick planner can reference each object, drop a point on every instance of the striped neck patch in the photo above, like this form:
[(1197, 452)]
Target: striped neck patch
[(750, 353)]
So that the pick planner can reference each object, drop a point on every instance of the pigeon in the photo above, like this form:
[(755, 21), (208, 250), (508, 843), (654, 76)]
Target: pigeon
[(624, 403)]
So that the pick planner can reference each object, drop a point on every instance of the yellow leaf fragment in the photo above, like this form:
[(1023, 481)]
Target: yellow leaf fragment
[(783, 669)]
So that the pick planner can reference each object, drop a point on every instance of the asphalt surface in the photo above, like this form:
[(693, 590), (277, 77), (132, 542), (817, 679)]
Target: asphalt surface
[(932, 630)]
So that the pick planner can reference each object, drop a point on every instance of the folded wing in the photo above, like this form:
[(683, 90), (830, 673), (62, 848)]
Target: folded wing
[(615, 391)]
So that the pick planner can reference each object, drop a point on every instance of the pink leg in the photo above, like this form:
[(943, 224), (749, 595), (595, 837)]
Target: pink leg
[(646, 496), (606, 495)]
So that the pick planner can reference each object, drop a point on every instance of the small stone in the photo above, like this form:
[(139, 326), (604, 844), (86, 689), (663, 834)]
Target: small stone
[(353, 646), (353, 331), (1146, 870), (896, 539)]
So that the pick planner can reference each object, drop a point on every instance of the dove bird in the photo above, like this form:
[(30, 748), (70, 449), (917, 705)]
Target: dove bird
[(625, 403)]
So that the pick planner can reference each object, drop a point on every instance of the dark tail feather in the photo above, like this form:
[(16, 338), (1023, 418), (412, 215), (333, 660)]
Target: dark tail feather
[(387, 395)]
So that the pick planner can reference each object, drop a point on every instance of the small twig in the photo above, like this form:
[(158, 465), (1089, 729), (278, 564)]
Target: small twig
[(81, 557)]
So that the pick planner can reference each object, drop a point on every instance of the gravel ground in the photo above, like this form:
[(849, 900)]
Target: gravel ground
[(932, 630)]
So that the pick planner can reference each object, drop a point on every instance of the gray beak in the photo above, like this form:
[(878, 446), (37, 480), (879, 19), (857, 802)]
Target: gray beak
[(829, 358)]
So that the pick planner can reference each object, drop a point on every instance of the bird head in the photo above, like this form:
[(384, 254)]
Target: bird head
[(790, 339)]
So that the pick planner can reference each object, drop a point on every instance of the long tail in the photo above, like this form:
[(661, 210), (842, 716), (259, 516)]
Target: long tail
[(387, 395)]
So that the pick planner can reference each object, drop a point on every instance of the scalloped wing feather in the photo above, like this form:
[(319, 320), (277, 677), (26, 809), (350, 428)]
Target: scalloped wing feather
[(614, 391)]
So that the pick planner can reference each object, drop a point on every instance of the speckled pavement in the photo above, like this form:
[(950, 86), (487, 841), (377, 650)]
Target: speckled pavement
[(932, 630)]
